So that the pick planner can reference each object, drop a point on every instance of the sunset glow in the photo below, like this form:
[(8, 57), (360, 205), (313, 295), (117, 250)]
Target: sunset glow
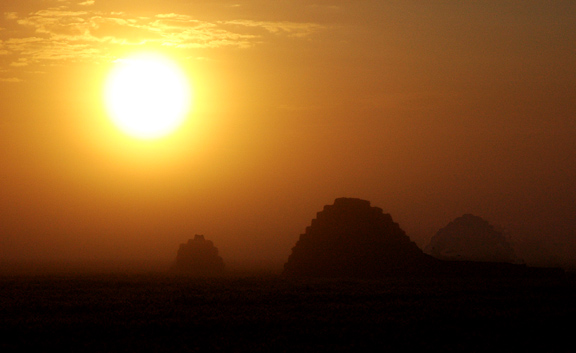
[(147, 96), (291, 175), (127, 127)]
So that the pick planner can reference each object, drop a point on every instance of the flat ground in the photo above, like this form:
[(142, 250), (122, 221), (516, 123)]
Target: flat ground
[(269, 313)]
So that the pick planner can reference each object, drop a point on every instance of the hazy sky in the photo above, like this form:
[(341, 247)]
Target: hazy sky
[(429, 109)]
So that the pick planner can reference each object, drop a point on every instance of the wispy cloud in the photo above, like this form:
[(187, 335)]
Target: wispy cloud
[(76, 33), (10, 79), (291, 29)]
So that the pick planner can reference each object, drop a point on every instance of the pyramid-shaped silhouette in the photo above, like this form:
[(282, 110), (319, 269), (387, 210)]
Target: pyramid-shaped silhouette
[(353, 239), (471, 238), (198, 257)]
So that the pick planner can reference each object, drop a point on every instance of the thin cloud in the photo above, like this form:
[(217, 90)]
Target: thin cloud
[(292, 29), (11, 80), (61, 34), (19, 63), (11, 15)]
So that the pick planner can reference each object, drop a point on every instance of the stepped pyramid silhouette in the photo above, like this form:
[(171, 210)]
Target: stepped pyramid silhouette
[(353, 239)]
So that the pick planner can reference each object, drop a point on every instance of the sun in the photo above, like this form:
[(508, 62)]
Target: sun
[(147, 95)]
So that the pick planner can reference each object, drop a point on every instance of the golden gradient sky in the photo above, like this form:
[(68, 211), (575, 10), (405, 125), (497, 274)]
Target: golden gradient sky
[(429, 109)]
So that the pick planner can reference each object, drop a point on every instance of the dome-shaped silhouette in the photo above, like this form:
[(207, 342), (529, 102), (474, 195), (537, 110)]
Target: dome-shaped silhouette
[(470, 238), (198, 257), (353, 239)]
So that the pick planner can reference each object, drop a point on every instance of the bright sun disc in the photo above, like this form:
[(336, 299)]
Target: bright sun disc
[(147, 96)]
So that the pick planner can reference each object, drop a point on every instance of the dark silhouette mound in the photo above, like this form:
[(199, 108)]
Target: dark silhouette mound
[(198, 257), (353, 239), (470, 238)]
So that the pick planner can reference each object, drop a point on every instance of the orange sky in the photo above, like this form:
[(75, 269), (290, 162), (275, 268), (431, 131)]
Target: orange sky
[(428, 109)]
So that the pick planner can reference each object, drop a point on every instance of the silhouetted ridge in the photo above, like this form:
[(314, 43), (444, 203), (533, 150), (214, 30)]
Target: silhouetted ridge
[(352, 239), (198, 257), (471, 238)]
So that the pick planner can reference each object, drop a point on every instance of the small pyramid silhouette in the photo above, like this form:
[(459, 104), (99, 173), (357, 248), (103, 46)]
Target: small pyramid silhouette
[(471, 238), (353, 239), (198, 257)]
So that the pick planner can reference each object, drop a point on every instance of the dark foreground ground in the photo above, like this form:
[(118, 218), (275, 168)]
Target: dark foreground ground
[(135, 313)]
